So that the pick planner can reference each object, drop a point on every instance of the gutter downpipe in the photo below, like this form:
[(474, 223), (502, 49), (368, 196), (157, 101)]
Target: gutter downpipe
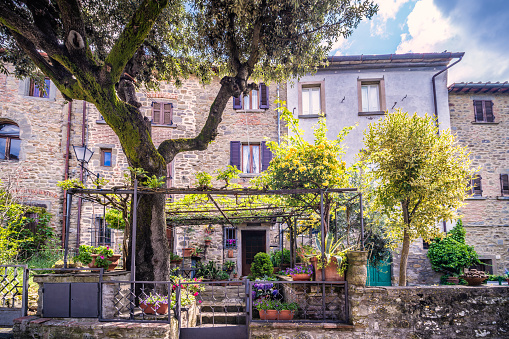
[(66, 169), (435, 90), (278, 118), (80, 200)]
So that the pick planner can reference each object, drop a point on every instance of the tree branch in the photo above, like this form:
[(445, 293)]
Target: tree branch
[(132, 37)]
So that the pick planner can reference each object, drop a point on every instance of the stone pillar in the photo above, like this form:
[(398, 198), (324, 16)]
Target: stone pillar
[(357, 272)]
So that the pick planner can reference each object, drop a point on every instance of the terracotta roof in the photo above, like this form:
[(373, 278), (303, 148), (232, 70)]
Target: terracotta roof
[(480, 87)]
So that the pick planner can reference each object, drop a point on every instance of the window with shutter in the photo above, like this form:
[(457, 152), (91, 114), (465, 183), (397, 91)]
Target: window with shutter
[(475, 186), (251, 158), (10, 144), (266, 156), (235, 154), (483, 111), (257, 99), (504, 184), (162, 113)]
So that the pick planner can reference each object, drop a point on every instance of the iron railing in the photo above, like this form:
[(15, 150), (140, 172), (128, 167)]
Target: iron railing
[(312, 301), (13, 287)]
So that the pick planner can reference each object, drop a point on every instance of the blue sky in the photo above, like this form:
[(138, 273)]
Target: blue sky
[(476, 27)]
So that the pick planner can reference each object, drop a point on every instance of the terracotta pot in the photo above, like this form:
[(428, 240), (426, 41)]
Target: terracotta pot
[(331, 271), (454, 280), (285, 315), (114, 261), (272, 314), (153, 309), (230, 253), (177, 262), (474, 281), (207, 242), (301, 277), (187, 252), (263, 314)]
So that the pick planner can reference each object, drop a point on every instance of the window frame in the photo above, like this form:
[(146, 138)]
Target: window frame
[(161, 118), (473, 190), (101, 227), (8, 140), (251, 144), (504, 192), (484, 115), (381, 95), (230, 233), (31, 88), (103, 152), (311, 84)]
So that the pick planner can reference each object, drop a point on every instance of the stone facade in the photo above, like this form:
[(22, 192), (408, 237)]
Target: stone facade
[(486, 216)]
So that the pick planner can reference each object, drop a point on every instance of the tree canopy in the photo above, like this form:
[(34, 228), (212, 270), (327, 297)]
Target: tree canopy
[(100, 51), (420, 176)]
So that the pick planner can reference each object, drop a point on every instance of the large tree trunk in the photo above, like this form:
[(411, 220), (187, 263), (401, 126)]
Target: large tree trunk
[(404, 259)]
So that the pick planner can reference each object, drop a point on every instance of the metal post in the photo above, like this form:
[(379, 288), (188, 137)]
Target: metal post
[(67, 226), (100, 301), (347, 316), (133, 232), (178, 307), (362, 221), (24, 296)]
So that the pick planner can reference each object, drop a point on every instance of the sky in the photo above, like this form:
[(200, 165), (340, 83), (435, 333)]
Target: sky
[(476, 27)]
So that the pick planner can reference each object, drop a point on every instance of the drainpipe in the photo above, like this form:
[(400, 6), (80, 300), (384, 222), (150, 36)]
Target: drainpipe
[(457, 55), (80, 201), (278, 118), (66, 169)]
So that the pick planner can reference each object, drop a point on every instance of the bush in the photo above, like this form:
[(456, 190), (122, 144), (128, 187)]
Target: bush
[(280, 257), (451, 254), (261, 266)]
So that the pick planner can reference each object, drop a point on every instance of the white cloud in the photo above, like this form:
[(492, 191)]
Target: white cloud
[(387, 9), (429, 30), (341, 44)]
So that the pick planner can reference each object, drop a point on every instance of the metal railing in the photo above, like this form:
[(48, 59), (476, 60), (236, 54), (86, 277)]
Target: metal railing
[(13, 287), (310, 301)]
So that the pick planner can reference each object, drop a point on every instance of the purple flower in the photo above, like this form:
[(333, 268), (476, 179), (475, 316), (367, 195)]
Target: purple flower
[(274, 293), (253, 294)]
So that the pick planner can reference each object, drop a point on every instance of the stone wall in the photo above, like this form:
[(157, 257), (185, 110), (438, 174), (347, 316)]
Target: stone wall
[(485, 218), (409, 312)]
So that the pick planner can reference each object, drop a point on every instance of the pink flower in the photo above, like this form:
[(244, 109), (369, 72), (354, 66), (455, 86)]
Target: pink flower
[(107, 247), (199, 301), (195, 294), (102, 256)]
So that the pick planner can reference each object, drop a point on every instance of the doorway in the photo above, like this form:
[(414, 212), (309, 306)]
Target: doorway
[(253, 242)]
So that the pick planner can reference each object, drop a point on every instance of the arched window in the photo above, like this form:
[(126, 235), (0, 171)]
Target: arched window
[(10, 143)]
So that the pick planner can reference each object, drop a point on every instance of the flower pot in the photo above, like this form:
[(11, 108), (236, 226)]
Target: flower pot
[(154, 308), (230, 253), (271, 314), (285, 315), (187, 252), (263, 314), (474, 281), (331, 271), (177, 262), (114, 261), (301, 277), (207, 242), (454, 280)]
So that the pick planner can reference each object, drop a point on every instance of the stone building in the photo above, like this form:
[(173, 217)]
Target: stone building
[(358, 90), (480, 120)]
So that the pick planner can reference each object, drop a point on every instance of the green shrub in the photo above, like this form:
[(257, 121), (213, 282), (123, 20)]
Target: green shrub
[(261, 266), (280, 257), (451, 254)]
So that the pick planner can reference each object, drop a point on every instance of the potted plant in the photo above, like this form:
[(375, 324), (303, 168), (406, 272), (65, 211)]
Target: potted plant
[(287, 311), (266, 308), (155, 303), (300, 273), (187, 251), (176, 259), (97, 257), (197, 252), (208, 240), (474, 277), (334, 260), (229, 266)]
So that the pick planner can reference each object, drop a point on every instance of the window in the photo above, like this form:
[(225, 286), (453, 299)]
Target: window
[(475, 186), (483, 111), (34, 91), (257, 99), (162, 113), (250, 158), (311, 98), (371, 94), (230, 237), (101, 233), (106, 157), (10, 144), (504, 184), (425, 245)]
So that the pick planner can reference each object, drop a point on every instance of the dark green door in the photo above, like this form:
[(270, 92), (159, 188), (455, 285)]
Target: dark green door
[(379, 275)]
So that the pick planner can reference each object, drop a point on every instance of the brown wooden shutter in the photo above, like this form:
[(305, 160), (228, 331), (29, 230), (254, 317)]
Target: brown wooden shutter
[(478, 113), (168, 114), (488, 109), (264, 96), (504, 184), (235, 154), (156, 112)]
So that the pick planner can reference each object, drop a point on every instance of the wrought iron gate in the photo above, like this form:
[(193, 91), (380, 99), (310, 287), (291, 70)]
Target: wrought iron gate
[(13, 293)]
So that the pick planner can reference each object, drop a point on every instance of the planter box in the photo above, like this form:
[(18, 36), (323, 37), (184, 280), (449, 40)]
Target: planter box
[(114, 261)]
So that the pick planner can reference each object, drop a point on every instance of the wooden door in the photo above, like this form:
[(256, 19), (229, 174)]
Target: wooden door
[(379, 275), (253, 242)]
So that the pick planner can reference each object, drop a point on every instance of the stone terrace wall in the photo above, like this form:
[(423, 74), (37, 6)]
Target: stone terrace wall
[(486, 219), (410, 313)]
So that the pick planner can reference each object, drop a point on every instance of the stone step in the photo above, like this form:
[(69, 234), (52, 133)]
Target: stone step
[(222, 308), (234, 318)]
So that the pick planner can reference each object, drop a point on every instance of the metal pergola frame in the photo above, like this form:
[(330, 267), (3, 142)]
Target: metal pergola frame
[(135, 192)]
